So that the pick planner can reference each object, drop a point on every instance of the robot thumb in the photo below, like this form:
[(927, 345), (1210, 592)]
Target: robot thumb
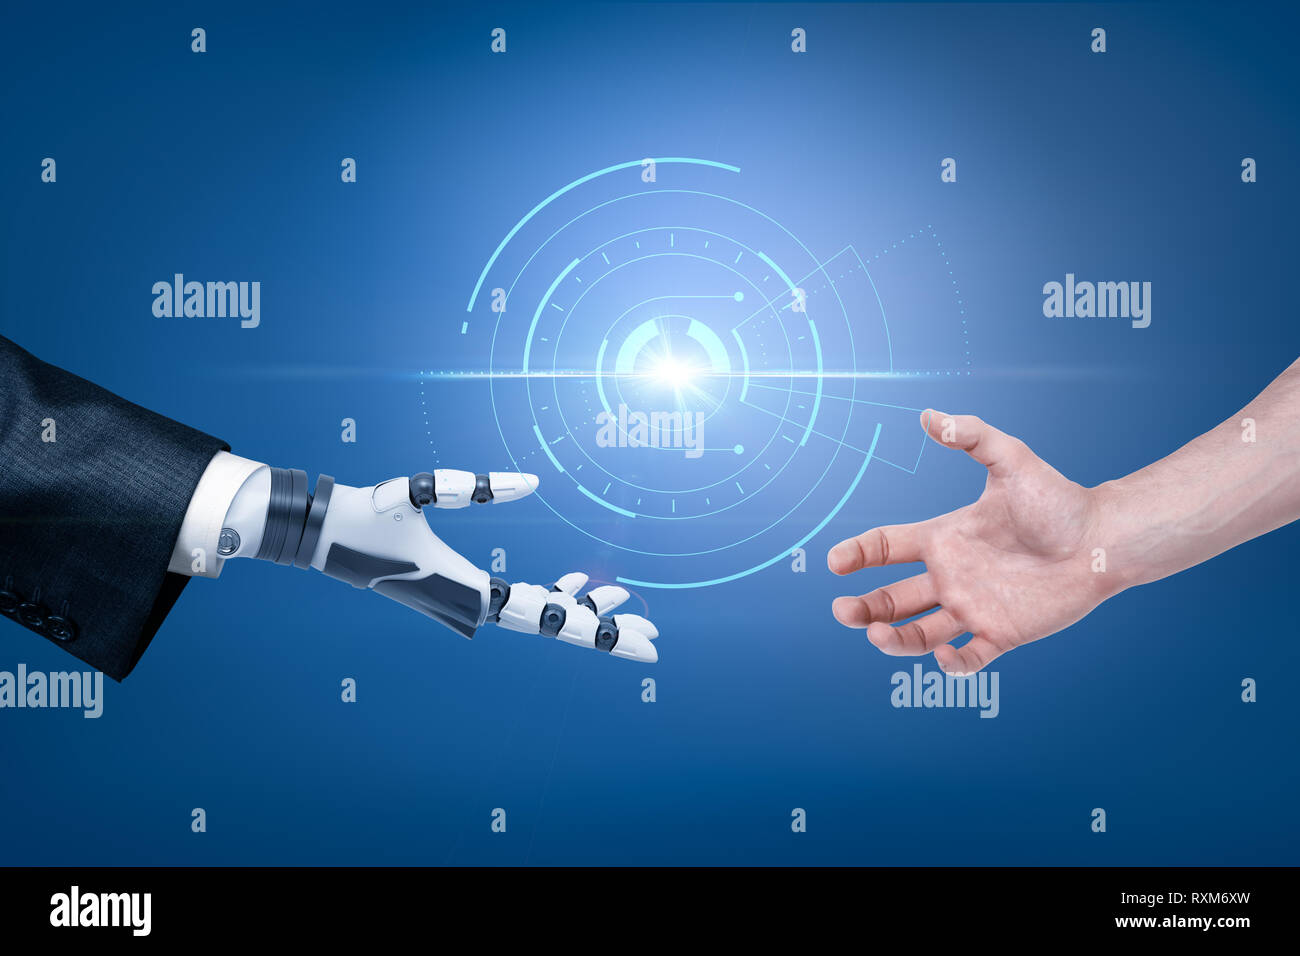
[(511, 485)]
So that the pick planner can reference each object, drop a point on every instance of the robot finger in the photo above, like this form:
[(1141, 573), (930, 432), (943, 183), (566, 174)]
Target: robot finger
[(604, 599), (450, 488), (571, 583), (632, 645), (510, 485), (555, 612), (578, 625), (637, 623), (518, 607)]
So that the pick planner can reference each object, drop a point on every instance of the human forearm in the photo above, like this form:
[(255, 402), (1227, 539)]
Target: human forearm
[(1233, 483)]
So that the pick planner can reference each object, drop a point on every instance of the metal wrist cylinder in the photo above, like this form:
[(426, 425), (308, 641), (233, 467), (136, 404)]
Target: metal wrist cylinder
[(286, 515)]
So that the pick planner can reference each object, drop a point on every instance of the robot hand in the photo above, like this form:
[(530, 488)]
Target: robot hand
[(377, 538)]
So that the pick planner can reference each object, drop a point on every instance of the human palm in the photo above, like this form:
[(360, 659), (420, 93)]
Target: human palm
[(1013, 567)]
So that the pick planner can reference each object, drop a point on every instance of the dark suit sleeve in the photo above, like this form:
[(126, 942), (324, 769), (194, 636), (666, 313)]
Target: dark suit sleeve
[(88, 521)]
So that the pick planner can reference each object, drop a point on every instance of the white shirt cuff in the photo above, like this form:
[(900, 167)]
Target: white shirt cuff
[(195, 553)]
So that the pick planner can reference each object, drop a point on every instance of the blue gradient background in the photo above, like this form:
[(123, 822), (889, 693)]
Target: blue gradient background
[(226, 166)]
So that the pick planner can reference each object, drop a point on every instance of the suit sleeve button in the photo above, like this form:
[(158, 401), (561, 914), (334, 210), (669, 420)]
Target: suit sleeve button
[(32, 615), (60, 628)]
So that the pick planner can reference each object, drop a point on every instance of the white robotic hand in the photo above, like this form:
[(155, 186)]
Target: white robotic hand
[(377, 538)]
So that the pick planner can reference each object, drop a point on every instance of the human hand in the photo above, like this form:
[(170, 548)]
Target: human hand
[(1011, 568)]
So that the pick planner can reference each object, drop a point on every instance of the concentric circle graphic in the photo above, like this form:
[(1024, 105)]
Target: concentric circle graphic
[(689, 381)]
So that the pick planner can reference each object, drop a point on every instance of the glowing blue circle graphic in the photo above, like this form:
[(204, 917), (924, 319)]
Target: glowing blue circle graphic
[(681, 370)]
